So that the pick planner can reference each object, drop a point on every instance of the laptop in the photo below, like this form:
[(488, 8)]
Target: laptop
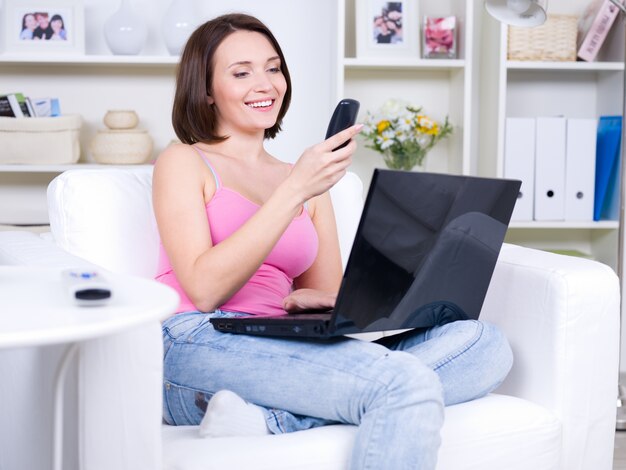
[(423, 255)]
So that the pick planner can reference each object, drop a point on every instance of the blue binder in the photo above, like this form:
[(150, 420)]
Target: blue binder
[(606, 200)]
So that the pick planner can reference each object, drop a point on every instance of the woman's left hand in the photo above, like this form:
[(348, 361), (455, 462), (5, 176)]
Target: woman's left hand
[(309, 299)]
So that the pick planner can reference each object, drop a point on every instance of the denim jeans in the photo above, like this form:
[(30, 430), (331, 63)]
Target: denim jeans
[(393, 389)]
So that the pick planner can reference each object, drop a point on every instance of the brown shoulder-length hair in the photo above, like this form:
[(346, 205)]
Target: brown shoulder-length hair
[(193, 118)]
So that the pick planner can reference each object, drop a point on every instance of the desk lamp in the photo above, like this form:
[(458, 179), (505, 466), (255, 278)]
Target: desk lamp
[(526, 13), (531, 13)]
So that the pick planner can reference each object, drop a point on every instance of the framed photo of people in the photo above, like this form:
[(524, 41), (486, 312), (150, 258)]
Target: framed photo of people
[(387, 29), (43, 26)]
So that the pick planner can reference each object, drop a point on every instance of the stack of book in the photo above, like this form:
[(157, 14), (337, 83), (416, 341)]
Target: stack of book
[(18, 106)]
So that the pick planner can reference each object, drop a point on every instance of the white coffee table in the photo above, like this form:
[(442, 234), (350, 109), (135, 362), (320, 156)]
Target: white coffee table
[(35, 310)]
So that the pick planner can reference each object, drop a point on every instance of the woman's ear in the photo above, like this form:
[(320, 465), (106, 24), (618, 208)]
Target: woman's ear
[(210, 99)]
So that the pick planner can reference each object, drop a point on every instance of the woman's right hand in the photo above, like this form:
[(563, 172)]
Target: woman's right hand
[(319, 168)]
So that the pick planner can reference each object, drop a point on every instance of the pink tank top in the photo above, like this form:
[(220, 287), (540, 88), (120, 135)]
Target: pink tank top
[(292, 255)]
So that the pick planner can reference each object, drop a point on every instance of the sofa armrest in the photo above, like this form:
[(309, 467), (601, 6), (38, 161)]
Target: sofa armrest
[(561, 316)]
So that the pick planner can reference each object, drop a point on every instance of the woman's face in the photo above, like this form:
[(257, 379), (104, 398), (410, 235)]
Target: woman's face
[(30, 22), (248, 84), (56, 25)]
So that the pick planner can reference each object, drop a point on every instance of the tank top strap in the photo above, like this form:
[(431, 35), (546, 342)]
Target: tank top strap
[(218, 181)]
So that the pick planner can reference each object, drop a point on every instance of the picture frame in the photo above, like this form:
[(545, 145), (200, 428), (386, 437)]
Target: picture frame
[(55, 27), (387, 29)]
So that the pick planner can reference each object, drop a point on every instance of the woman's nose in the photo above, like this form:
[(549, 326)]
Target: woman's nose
[(263, 82)]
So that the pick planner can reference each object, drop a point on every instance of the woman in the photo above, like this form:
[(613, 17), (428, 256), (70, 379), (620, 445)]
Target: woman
[(28, 26), (246, 234), (58, 28)]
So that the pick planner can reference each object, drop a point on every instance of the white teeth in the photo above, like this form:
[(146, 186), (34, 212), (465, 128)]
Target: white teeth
[(260, 104)]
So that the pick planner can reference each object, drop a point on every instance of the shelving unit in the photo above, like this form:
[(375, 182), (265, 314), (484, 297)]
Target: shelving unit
[(531, 89), (87, 85), (97, 81), (443, 87), (90, 60)]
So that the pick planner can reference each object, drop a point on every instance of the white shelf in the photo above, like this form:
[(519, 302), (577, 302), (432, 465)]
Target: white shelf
[(442, 87), (574, 89), (57, 168), (90, 60), (409, 64), (582, 66), (565, 225)]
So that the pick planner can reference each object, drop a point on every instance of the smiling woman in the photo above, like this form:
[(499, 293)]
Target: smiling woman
[(243, 234)]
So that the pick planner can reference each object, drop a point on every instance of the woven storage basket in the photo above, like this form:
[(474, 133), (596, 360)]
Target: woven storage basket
[(40, 140), (555, 40)]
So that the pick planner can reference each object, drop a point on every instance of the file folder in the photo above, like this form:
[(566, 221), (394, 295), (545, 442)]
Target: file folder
[(519, 163), (606, 204), (580, 169), (550, 168)]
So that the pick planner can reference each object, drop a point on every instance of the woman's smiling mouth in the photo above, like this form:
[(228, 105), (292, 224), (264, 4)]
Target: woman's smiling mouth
[(260, 104)]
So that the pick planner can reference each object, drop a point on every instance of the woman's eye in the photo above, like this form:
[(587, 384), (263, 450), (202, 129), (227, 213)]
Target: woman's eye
[(240, 74), (274, 70)]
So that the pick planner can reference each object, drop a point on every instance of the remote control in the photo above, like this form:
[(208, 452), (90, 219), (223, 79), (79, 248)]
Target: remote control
[(343, 117), (86, 287)]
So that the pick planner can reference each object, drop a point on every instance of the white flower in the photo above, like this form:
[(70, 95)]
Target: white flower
[(405, 124), (385, 140), (393, 109)]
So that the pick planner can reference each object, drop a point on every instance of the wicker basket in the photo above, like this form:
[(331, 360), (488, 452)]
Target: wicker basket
[(40, 140), (555, 40)]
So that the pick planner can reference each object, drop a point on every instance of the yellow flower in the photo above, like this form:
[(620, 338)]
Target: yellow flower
[(427, 125), (382, 125), (434, 130)]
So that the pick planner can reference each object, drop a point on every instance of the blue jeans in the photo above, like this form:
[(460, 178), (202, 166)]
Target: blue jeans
[(393, 389)]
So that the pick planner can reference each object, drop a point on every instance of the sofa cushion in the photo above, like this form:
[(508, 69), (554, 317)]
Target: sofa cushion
[(482, 434), (105, 217)]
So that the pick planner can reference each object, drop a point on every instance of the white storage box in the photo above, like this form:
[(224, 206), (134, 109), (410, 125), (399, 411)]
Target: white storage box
[(40, 140)]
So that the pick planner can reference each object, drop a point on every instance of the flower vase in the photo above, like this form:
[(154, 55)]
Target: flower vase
[(125, 31), (397, 159), (178, 23)]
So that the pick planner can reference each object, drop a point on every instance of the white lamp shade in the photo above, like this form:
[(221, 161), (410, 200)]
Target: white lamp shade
[(518, 12)]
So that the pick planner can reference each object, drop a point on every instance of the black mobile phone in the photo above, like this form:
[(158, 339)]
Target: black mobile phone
[(343, 117)]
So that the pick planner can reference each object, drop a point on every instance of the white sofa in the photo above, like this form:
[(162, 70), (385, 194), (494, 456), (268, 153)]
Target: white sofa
[(556, 409)]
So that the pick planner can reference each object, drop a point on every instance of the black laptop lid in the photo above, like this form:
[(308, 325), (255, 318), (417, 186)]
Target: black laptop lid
[(425, 250)]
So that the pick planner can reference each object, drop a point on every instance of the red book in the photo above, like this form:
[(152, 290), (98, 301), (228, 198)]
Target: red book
[(594, 26)]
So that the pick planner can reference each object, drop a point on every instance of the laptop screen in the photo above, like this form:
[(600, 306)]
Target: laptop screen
[(425, 250)]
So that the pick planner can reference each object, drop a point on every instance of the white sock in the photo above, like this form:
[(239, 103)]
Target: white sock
[(227, 414)]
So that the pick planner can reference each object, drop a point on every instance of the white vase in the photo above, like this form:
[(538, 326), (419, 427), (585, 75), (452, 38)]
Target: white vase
[(125, 32), (179, 21)]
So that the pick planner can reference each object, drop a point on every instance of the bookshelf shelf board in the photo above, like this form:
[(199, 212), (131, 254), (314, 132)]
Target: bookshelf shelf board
[(90, 60), (565, 225), (583, 66), (409, 64), (57, 168)]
